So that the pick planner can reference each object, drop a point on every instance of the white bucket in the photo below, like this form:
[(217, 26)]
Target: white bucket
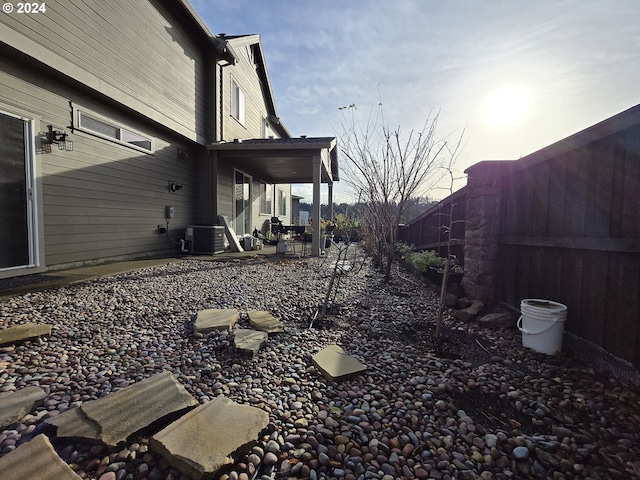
[(542, 325)]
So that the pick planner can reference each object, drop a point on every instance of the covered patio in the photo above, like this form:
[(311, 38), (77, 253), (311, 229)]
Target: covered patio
[(287, 161)]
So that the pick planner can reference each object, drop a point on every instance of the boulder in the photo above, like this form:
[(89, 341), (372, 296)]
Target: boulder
[(469, 313), (497, 320), (450, 300)]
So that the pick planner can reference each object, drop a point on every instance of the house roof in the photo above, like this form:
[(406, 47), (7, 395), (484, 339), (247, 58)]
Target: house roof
[(609, 126), (190, 16), (282, 160), (226, 46)]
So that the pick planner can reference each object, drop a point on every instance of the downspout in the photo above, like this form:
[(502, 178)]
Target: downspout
[(222, 101)]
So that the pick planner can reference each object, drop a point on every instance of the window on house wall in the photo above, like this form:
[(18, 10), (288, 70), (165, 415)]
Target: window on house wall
[(282, 201), (266, 129), (266, 194), (112, 131), (237, 102)]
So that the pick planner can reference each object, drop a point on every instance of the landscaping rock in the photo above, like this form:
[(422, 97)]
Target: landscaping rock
[(469, 313), (450, 300), (497, 320)]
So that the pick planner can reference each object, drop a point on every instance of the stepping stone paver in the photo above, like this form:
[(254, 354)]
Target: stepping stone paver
[(207, 438), (216, 319), (18, 333), (113, 418), (265, 322), (249, 341), (35, 460), (74, 423), (336, 364), (16, 405)]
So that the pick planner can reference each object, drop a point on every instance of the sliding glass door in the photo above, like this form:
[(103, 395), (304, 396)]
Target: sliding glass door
[(16, 193)]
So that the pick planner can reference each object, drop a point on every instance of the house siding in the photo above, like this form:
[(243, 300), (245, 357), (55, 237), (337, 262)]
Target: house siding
[(129, 51), (245, 75), (102, 200)]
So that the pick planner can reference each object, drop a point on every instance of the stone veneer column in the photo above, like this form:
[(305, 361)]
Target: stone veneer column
[(482, 229)]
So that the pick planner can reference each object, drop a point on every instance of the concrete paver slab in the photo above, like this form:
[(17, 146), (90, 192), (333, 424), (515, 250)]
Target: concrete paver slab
[(112, 419), (249, 341), (23, 332), (336, 364), (16, 405), (205, 440), (216, 320), (35, 460), (265, 322), (74, 423)]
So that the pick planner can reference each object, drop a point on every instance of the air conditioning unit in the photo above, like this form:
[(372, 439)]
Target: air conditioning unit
[(205, 239)]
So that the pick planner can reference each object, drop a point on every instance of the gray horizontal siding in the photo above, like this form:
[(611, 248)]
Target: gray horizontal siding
[(244, 73), (102, 200), (132, 50)]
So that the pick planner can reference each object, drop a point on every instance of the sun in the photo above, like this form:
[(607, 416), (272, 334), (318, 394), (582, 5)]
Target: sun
[(507, 106)]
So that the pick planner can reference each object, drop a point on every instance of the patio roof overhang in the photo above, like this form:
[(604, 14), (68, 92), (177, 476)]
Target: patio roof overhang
[(288, 160), (283, 160)]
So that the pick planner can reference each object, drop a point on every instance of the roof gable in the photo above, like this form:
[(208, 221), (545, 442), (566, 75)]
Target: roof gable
[(254, 42)]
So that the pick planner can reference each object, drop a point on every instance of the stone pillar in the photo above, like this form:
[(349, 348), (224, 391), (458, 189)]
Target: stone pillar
[(482, 228)]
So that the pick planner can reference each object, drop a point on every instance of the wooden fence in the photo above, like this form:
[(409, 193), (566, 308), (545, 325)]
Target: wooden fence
[(430, 231), (561, 224)]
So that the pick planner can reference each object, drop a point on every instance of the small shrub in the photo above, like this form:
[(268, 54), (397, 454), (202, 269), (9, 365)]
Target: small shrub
[(422, 261), (403, 251)]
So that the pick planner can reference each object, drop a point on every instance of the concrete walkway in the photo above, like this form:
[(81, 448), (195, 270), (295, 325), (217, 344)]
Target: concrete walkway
[(57, 278)]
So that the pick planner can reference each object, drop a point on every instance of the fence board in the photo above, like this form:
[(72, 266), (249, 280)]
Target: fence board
[(540, 215), (556, 198)]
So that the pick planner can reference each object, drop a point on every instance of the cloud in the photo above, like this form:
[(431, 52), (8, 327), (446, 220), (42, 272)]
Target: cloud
[(576, 57)]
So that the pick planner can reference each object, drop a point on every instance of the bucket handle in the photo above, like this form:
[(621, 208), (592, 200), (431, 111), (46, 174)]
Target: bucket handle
[(528, 332)]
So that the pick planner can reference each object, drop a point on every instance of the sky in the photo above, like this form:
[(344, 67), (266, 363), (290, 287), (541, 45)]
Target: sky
[(513, 76)]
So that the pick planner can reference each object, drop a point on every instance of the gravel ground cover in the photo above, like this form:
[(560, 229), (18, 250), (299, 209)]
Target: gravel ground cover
[(475, 405)]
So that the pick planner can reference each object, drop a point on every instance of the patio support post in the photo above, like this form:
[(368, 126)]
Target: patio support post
[(330, 200), (315, 210)]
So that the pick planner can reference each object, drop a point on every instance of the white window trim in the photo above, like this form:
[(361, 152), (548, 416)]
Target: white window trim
[(267, 199), (282, 193), (33, 232), (116, 125), (239, 104)]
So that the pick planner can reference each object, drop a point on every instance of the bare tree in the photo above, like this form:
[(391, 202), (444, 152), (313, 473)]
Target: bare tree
[(389, 167), (452, 155)]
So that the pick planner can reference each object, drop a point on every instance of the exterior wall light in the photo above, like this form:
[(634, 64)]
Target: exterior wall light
[(61, 138)]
